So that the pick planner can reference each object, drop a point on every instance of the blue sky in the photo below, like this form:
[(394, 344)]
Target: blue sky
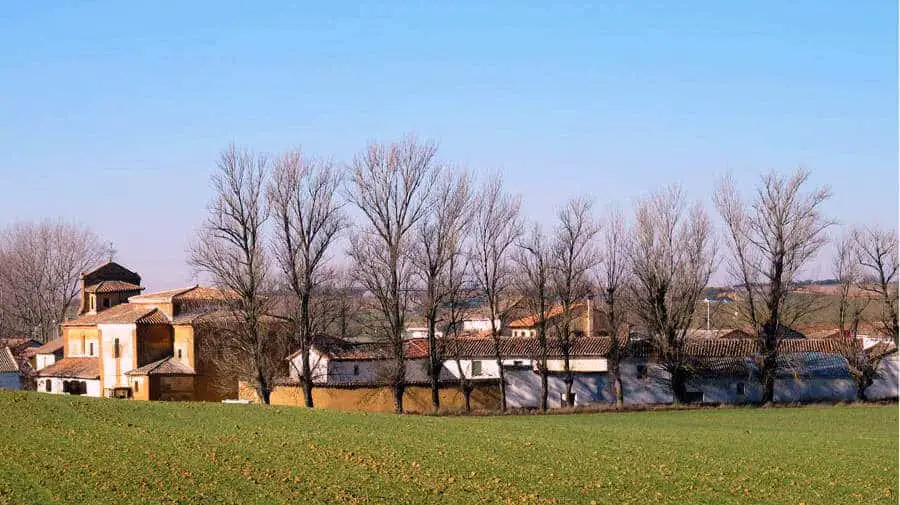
[(112, 113)]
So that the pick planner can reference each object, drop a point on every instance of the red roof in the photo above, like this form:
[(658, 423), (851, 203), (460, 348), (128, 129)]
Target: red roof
[(73, 368), (50, 347)]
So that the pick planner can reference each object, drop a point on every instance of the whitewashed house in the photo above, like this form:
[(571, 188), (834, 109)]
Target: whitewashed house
[(48, 354), (335, 361)]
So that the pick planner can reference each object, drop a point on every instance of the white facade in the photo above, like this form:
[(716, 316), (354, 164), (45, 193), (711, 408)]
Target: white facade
[(479, 324), (343, 371), (114, 368), (44, 360), (55, 385)]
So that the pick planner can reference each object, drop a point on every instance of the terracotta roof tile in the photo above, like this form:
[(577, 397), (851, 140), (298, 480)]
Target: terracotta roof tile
[(75, 368), (165, 366), (50, 347), (112, 287), (7, 361), (125, 313)]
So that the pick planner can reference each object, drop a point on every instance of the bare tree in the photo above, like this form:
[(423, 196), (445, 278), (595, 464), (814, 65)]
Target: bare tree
[(439, 238), (612, 279), (308, 218), (496, 228), (40, 267), (458, 295), (670, 251), (862, 362), (535, 284), (771, 241), (230, 249), (391, 186), (876, 253), (574, 257)]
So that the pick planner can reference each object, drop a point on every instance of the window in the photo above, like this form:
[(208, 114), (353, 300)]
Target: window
[(48, 385), (106, 302), (476, 368), (740, 388), (116, 348), (136, 388), (642, 371), (91, 353), (179, 353), (355, 369)]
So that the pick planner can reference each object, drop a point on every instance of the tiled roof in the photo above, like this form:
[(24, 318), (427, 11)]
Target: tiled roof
[(191, 293), (525, 347), (50, 347), (112, 287), (340, 349), (7, 361), (125, 313), (73, 368), (165, 366)]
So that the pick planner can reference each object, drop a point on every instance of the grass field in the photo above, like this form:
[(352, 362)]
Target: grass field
[(56, 449)]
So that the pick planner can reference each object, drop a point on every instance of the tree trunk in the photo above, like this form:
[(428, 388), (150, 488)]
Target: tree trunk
[(570, 401), (768, 369), (617, 384), (262, 389), (307, 378), (544, 388), (467, 396), (434, 365), (398, 398), (677, 387), (502, 384)]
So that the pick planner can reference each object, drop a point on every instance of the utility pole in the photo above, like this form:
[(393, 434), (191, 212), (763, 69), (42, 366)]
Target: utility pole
[(708, 301)]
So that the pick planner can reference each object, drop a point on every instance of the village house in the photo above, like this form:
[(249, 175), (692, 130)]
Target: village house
[(125, 344), (10, 375)]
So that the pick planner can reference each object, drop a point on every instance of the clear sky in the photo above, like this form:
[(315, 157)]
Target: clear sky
[(113, 113)]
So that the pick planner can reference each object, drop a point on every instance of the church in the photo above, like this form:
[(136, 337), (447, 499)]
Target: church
[(128, 344)]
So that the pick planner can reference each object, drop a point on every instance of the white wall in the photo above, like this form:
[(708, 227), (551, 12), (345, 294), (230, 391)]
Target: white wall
[(108, 334), (44, 360), (489, 369), (56, 385), (478, 324), (318, 365), (578, 365)]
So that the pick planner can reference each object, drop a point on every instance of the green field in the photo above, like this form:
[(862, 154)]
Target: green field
[(56, 449)]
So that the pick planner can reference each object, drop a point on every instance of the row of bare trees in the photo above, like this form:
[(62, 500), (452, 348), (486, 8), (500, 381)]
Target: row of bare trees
[(426, 241), (40, 268)]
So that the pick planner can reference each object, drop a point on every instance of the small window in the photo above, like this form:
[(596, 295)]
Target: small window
[(48, 385), (106, 302), (476, 368), (517, 362), (116, 348), (136, 388), (740, 388), (179, 353), (355, 369), (91, 352), (642, 371)]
